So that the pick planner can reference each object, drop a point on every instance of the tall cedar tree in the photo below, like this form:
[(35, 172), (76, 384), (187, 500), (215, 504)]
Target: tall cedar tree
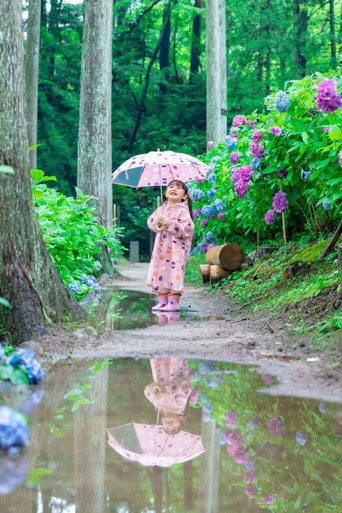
[(28, 278)]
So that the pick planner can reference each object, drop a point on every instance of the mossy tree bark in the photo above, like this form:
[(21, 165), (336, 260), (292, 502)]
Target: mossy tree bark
[(196, 43), (94, 166), (28, 278)]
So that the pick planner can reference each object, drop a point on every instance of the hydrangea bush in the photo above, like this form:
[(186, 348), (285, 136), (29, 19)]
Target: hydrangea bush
[(72, 235), (280, 449), (286, 161)]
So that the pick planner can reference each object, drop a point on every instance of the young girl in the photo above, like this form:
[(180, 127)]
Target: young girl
[(172, 245)]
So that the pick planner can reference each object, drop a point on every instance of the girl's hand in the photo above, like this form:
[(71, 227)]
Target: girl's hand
[(162, 220)]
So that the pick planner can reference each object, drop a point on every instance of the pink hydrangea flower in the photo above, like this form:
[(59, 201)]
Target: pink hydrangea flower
[(250, 492), (270, 121), (230, 449), (210, 144), (220, 216), (240, 456), (250, 476), (269, 499), (212, 216), (276, 427), (231, 418), (326, 129), (228, 436), (270, 217), (212, 245), (234, 157), (239, 120), (340, 158), (258, 135), (235, 175), (204, 223), (236, 438), (194, 395), (245, 173), (235, 135), (328, 99), (280, 203), (276, 130), (200, 180), (267, 378), (257, 150)]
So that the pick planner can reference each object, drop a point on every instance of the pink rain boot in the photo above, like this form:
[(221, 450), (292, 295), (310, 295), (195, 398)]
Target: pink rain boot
[(162, 302), (173, 304)]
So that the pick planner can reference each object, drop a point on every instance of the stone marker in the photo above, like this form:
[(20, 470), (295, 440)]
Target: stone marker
[(134, 251)]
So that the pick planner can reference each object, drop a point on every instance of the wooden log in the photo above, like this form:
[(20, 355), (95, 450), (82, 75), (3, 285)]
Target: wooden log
[(217, 273), (205, 272), (229, 256)]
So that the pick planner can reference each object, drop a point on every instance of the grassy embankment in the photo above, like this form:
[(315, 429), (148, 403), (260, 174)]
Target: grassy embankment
[(293, 285)]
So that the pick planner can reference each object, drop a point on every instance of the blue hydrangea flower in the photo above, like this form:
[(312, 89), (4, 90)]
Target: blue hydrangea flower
[(223, 440), (219, 205), (302, 437), (254, 423), (207, 407), (322, 407), (90, 282), (206, 210), (98, 265), (193, 252), (97, 288), (206, 366), (209, 236), (35, 372), (281, 102), (2, 352), (21, 356), (74, 287), (207, 381), (216, 381), (198, 194), (135, 206), (326, 205), (305, 175), (255, 164), (268, 101), (211, 194), (231, 142), (13, 471), (13, 428), (249, 465), (212, 178)]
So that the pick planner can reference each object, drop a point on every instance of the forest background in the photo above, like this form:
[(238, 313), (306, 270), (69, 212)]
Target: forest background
[(268, 43)]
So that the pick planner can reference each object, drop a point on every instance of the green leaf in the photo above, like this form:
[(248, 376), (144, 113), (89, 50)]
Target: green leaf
[(19, 377), (4, 302), (34, 147), (37, 175), (335, 134), (305, 137), (6, 169), (37, 194)]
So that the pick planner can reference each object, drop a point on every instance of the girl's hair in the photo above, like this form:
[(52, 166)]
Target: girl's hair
[(185, 189)]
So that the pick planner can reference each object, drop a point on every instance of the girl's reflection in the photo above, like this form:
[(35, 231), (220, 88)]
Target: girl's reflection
[(170, 391)]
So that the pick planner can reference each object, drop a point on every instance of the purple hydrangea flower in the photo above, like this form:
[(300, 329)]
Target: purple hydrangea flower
[(194, 395), (203, 248), (204, 223), (257, 150), (234, 157), (270, 217), (280, 203), (281, 102), (235, 175), (258, 135), (240, 456), (241, 188), (197, 213), (276, 130), (269, 499), (267, 378), (211, 245), (302, 437), (231, 418), (276, 427), (326, 129), (210, 144), (245, 173), (239, 120), (328, 99), (340, 158), (282, 173), (250, 491), (220, 216), (250, 476)]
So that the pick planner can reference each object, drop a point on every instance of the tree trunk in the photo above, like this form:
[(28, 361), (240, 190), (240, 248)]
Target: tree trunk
[(300, 22), (31, 75), (209, 469), (164, 55), (28, 278), (223, 69), (332, 34), (213, 72), (188, 472), (196, 43), (157, 488)]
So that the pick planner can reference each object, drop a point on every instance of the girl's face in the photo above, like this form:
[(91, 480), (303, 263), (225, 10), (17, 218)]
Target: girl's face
[(175, 192)]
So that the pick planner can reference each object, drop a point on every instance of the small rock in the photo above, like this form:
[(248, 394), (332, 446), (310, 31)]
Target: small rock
[(103, 279), (87, 331), (250, 258), (33, 345)]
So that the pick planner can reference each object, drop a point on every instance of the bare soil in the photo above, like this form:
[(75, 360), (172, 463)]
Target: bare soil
[(229, 333)]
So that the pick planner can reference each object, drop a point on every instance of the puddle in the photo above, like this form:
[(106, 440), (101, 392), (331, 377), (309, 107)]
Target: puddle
[(129, 309), (277, 454)]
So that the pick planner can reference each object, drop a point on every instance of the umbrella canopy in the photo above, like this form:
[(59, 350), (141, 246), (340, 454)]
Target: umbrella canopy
[(150, 445), (159, 168)]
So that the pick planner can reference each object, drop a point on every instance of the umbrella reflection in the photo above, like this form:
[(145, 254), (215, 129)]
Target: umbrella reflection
[(166, 444)]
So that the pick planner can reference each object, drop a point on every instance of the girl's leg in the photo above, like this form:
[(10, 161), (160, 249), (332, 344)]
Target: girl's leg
[(163, 298), (173, 302)]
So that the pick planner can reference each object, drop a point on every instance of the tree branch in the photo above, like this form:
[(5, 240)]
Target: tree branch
[(136, 23)]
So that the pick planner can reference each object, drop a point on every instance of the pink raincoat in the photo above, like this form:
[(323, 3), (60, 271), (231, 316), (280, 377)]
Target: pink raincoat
[(172, 376), (171, 248)]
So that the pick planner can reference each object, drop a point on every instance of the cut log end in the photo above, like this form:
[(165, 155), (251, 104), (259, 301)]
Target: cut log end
[(229, 256)]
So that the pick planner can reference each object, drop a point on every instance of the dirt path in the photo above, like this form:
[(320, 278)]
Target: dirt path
[(236, 337)]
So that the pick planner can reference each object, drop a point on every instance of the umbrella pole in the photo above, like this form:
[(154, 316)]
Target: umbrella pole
[(161, 192)]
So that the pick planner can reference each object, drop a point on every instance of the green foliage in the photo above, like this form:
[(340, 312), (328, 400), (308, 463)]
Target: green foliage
[(302, 147), (16, 375), (71, 231)]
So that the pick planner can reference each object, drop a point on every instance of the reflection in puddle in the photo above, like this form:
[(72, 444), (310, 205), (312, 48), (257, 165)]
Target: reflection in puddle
[(260, 452), (129, 309)]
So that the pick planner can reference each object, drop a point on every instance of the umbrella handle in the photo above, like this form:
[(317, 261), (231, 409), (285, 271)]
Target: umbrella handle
[(159, 227)]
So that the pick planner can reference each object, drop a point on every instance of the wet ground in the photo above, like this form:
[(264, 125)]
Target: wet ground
[(241, 446)]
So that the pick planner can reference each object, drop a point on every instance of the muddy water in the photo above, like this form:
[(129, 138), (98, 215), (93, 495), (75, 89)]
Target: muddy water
[(130, 309), (238, 450)]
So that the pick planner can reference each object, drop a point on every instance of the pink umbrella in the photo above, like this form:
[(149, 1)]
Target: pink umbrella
[(150, 445)]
